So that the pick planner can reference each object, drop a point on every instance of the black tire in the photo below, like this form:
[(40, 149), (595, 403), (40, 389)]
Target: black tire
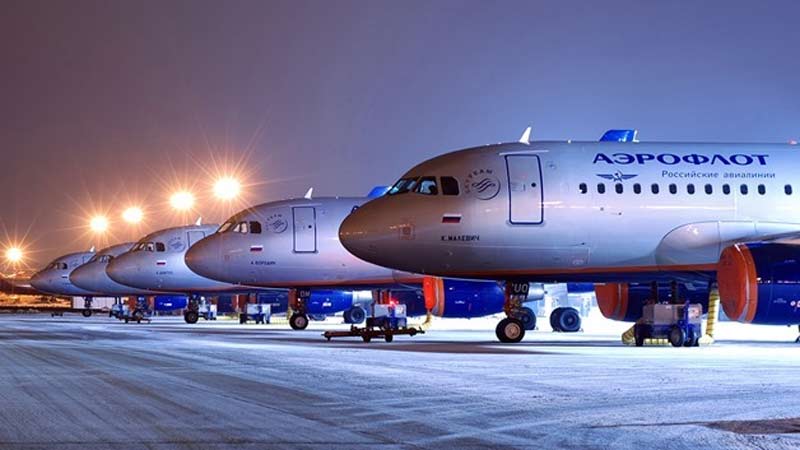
[(554, 316), (86, 313), (569, 320), (527, 317), (366, 338), (191, 317), (510, 330), (242, 318), (126, 320), (389, 337), (639, 335), (298, 321), (357, 315), (346, 315), (677, 337)]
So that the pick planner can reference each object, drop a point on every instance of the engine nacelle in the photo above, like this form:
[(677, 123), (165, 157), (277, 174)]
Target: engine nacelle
[(624, 301), (453, 298), (760, 283)]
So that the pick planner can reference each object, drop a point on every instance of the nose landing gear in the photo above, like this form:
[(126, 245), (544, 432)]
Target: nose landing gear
[(512, 328), (192, 313), (298, 299)]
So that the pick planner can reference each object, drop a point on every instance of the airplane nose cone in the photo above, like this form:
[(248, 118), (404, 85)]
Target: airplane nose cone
[(123, 270), (83, 277), (365, 231), (203, 258), (38, 282)]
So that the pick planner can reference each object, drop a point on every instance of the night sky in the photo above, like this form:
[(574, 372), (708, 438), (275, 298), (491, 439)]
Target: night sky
[(109, 103)]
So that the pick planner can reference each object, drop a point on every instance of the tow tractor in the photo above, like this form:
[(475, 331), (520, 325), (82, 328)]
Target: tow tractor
[(123, 311), (680, 324), (387, 321), (260, 313)]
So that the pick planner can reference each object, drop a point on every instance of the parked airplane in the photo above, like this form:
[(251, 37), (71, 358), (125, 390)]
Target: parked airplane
[(157, 263), (92, 276), (610, 211), (54, 278), (294, 244)]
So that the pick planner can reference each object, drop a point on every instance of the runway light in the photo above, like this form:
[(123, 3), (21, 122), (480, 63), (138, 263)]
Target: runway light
[(133, 215), (182, 200), (14, 255), (98, 224), (227, 188)]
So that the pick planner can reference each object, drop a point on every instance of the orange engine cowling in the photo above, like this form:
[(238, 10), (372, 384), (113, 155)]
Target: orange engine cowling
[(624, 301)]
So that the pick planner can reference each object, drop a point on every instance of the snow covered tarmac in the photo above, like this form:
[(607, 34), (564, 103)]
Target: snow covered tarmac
[(77, 383)]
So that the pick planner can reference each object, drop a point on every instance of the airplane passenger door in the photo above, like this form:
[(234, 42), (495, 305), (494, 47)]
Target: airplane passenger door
[(305, 229), (525, 194)]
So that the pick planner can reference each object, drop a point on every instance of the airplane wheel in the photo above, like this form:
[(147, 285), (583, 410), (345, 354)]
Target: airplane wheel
[(191, 317), (346, 316), (298, 321), (243, 318), (510, 330), (87, 313), (357, 315), (554, 318), (677, 337), (527, 317), (569, 320)]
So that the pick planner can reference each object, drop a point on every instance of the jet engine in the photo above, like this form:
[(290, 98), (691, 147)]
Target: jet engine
[(453, 298), (760, 283), (624, 301)]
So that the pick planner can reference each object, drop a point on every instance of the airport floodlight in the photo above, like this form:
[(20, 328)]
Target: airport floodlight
[(133, 215), (14, 255), (99, 224), (182, 201), (227, 188)]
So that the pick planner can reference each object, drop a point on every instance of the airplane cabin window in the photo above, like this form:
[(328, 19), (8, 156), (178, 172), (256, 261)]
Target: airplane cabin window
[(427, 186), (160, 247), (726, 189), (637, 188), (618, 188), (582, 188), (709, 189), (255, 227), (690, 188), (743, 189), (601, 188), (403, 186), (673, 189), (787, 189), (654, 188), (449, 186), (762, 189)]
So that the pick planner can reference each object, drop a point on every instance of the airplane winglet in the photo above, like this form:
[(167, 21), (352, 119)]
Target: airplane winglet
[(199, 221), (309, 193), (526, 136)]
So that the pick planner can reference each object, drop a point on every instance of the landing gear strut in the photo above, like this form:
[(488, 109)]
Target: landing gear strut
[(298, 300), (512, 329), (192, 314)]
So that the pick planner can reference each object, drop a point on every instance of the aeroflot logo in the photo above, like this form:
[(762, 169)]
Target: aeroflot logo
[(670, 159)]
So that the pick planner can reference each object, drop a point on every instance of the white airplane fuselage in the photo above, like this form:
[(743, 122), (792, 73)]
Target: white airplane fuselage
[(557, 211)]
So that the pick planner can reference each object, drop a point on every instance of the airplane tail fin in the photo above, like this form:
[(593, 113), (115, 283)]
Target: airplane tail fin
[(378, 191), (620, 136)]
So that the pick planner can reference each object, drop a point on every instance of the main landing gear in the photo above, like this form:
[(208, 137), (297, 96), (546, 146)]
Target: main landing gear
[(298, 299), (512, 328), (565, 320)]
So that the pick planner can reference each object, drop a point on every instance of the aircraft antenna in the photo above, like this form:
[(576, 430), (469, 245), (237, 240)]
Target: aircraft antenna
[(309, 193), (526, 136)]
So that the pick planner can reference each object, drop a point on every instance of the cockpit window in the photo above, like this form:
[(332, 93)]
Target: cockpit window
[(160, 247), (255, 227), (240, 227), (225, 227), (94, 258), (449, 186), (427, 186), (403, 186)]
